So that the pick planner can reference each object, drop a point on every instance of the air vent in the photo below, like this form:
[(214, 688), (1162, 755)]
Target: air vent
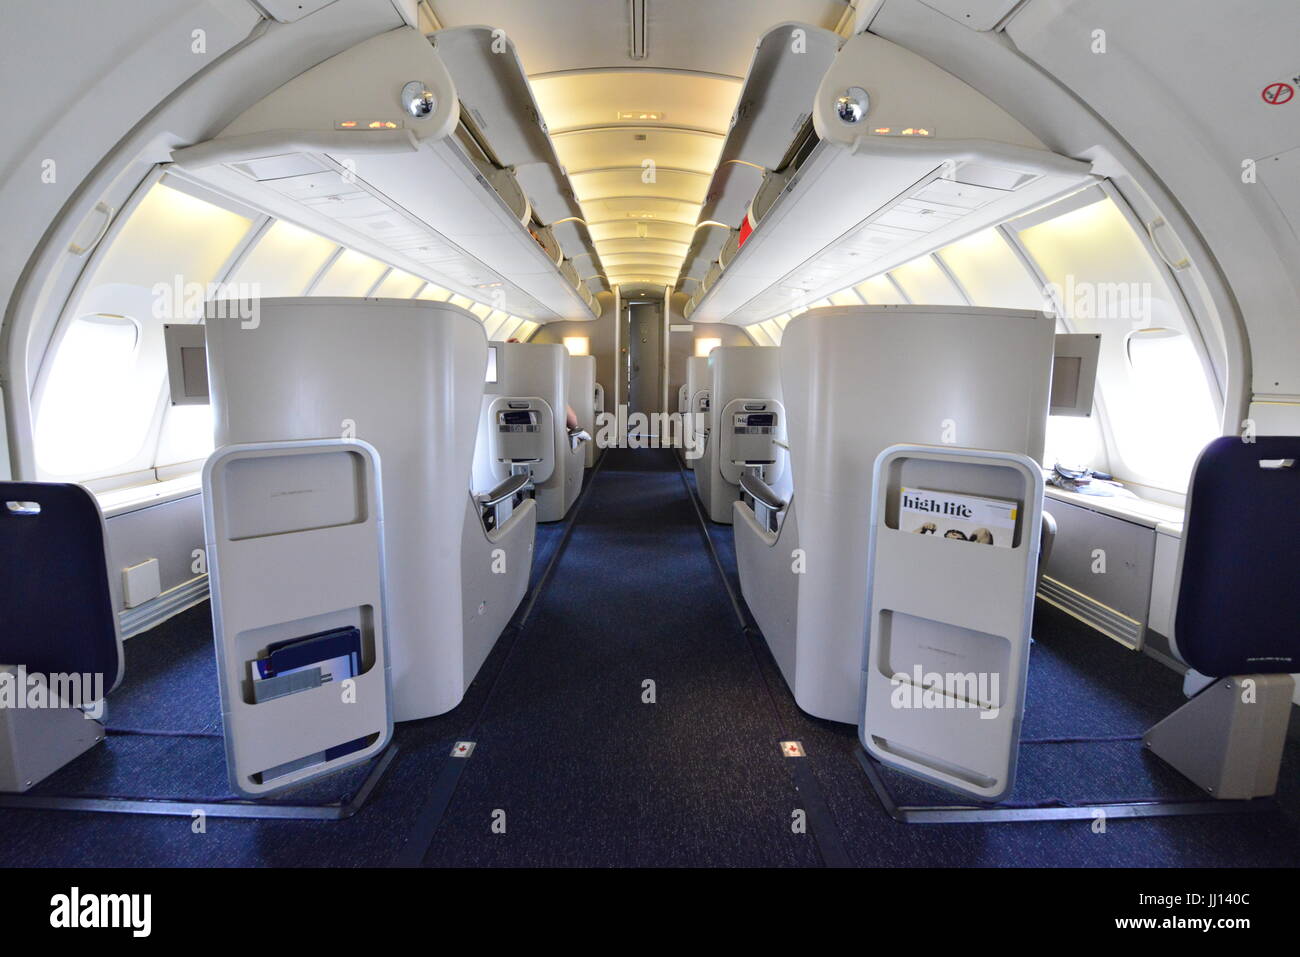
[(636, 29), (994, 177), (285, 165), (1111, 623)]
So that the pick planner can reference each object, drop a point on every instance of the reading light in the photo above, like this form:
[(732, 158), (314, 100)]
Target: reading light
[(852, 105), (367, 125), (578, 345), (417, 100)]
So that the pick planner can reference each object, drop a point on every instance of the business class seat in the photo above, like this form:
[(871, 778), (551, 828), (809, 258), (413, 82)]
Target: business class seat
[(522, 428), (746, 426), (695, 404), (1235, 623), (407, 376), (856, 380), (58, 610), (582, 399)]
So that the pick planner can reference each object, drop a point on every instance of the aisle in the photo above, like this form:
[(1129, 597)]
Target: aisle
[(631, 723)]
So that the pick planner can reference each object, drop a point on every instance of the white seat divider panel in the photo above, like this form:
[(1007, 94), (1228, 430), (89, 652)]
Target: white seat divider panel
[(294, 536), (948, 622)]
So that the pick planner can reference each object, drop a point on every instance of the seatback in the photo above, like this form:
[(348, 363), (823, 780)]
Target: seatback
[(699, 380), (746, 382), (582, 399), (1240, 559), (58, 605), (856, 380), (407, 377), (530, 377)]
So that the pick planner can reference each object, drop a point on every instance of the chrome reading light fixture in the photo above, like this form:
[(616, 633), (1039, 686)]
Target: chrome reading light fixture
[(417, 100), (852, 105)]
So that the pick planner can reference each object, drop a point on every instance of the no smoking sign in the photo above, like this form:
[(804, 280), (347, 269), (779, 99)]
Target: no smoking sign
[(1276, 94)]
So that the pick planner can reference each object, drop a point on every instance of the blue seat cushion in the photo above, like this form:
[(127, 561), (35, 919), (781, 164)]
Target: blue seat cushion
[(1239, 595), (56, 605)]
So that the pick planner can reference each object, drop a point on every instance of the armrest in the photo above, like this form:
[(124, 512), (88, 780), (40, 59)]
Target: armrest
[(760, 491), (1047, 540), (507, 489)]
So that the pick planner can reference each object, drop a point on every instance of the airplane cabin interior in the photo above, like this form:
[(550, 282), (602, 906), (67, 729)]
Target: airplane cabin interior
[(650, 434)]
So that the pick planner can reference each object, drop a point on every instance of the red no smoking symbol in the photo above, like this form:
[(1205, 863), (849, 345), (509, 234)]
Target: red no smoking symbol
[(1278, 93)]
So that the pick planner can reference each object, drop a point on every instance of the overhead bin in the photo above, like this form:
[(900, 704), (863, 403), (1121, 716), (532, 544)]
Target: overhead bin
[(343, 150), (910, 159), (772, 110), (497, 102)]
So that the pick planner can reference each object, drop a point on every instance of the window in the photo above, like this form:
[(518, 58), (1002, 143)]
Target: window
[(90, 416), (434, 293), (1072, 440), (991, 273), (186, 434), (399, 285), (1159, 406), (578, 345), (926, 284), (879, 291), (507, 330), (704, 346), (99, 393), (284, 261), (352, 274), (1170, 410)]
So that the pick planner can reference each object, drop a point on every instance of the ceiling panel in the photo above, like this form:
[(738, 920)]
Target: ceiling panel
[(709, 36), (627, 145), (602, 184), (615, 247), (627, 229), (682, 99), (637, 207), (614, 261), (585, 81)]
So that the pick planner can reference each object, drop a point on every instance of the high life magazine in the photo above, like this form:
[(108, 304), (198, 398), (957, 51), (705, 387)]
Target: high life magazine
[(965, 518)]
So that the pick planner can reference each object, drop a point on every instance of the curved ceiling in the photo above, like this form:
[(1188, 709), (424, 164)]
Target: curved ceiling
[(639, 135)]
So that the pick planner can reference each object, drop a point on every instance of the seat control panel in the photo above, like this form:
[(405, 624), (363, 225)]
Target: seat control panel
[(753, 434), (519, 433)]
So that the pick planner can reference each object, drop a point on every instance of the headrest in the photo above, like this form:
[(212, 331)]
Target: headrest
[(57, 602), (1237, 598)]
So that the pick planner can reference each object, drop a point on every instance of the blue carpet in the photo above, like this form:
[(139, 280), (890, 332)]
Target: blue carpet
[(1081, 685), (587, 773)]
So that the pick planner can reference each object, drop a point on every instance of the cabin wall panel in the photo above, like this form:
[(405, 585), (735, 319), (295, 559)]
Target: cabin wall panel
[(170, 532), (121, 88)]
